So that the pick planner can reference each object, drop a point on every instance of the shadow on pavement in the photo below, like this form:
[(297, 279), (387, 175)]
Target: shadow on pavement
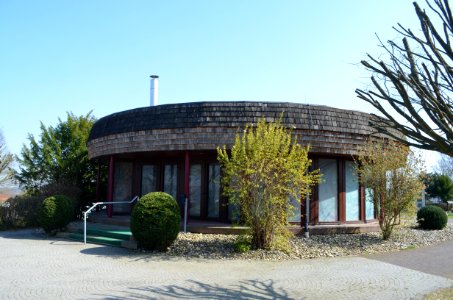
[(28, 234), (133, 255), (248, 289), (107, 251)]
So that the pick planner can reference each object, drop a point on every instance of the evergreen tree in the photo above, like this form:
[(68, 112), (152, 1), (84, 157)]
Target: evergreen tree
[(58, 160), (441, 186)]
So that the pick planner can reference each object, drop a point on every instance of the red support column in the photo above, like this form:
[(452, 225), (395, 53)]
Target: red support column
[(110, 186), (187, 182), (98, 185)]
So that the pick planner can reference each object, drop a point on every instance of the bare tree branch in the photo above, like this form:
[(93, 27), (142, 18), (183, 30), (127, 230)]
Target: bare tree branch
[(6, 159), (416, 84)]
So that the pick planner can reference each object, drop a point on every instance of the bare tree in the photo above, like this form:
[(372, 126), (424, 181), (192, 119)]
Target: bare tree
[(445, 165), (6, 160), (416, 83)]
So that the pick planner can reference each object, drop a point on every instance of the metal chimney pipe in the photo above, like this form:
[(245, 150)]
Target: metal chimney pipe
[(154, 90)]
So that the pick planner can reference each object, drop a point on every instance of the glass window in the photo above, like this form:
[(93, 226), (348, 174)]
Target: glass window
[(213, 190), (295, 216), (328, 191), (369, 204), (122, 190), (149, 179), (195, 190), (171, 180), (352, 192)]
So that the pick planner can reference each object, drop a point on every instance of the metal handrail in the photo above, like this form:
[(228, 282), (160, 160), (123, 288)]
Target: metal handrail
[(85, 213)]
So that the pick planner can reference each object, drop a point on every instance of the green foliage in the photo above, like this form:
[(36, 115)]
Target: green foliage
[(59, 158), (243, 244), (391, 171), (265, 168), (155, 221), (440, 186), (55, 213), (20, 212), (432, 217)]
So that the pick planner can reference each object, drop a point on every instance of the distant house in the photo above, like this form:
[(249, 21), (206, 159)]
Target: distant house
[(3, 197), (172, 148)]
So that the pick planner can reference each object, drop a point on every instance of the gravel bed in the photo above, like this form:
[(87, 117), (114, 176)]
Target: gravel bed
[(218, 246)]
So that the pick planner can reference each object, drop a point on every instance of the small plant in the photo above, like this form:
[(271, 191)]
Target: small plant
[(56, 212), (432, 217), (155, 221), (242, 244)]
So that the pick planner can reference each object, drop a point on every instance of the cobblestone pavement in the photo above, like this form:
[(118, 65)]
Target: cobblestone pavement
[(33, 267)]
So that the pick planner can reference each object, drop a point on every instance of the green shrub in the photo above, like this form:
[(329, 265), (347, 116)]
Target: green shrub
[(155, 221), (243, 244), (20, 212), (56, 212), (432, 217)]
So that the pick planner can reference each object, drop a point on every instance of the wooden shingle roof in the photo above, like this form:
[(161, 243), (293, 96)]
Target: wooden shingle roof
[(231, 114)]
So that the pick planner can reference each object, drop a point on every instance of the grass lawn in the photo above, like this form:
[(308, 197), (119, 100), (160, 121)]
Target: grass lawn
[(440, 294), (450, 215)]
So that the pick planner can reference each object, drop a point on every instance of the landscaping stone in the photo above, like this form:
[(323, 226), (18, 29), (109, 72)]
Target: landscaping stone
[(219, 246)]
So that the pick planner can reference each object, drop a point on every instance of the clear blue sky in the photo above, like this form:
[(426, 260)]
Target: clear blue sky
[(60, 56)]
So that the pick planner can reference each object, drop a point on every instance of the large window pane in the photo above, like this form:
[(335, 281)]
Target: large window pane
[(149, 179), (328, 191), (352, 192), (122, 190), (195, 190), (171, 180), (213, 190), (369, 204), (295, 217)]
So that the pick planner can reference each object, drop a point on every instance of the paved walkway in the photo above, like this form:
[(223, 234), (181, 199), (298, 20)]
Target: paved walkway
[(33, 267), (436, 260)]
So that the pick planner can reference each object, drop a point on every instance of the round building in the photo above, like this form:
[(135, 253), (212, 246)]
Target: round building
[(172, 148)]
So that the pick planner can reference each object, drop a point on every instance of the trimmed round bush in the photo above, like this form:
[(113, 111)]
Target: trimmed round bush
[(432, 217), (155, 221), (55, 213)]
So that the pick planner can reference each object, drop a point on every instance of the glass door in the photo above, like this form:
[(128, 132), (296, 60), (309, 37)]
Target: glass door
[(149, 179), (195, 191), (328, 191), (171, 180), (213, 190), (122, 190)]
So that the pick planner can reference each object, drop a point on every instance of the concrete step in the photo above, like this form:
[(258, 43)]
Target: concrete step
[(118, 236), (102, 240), (124, 235)]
